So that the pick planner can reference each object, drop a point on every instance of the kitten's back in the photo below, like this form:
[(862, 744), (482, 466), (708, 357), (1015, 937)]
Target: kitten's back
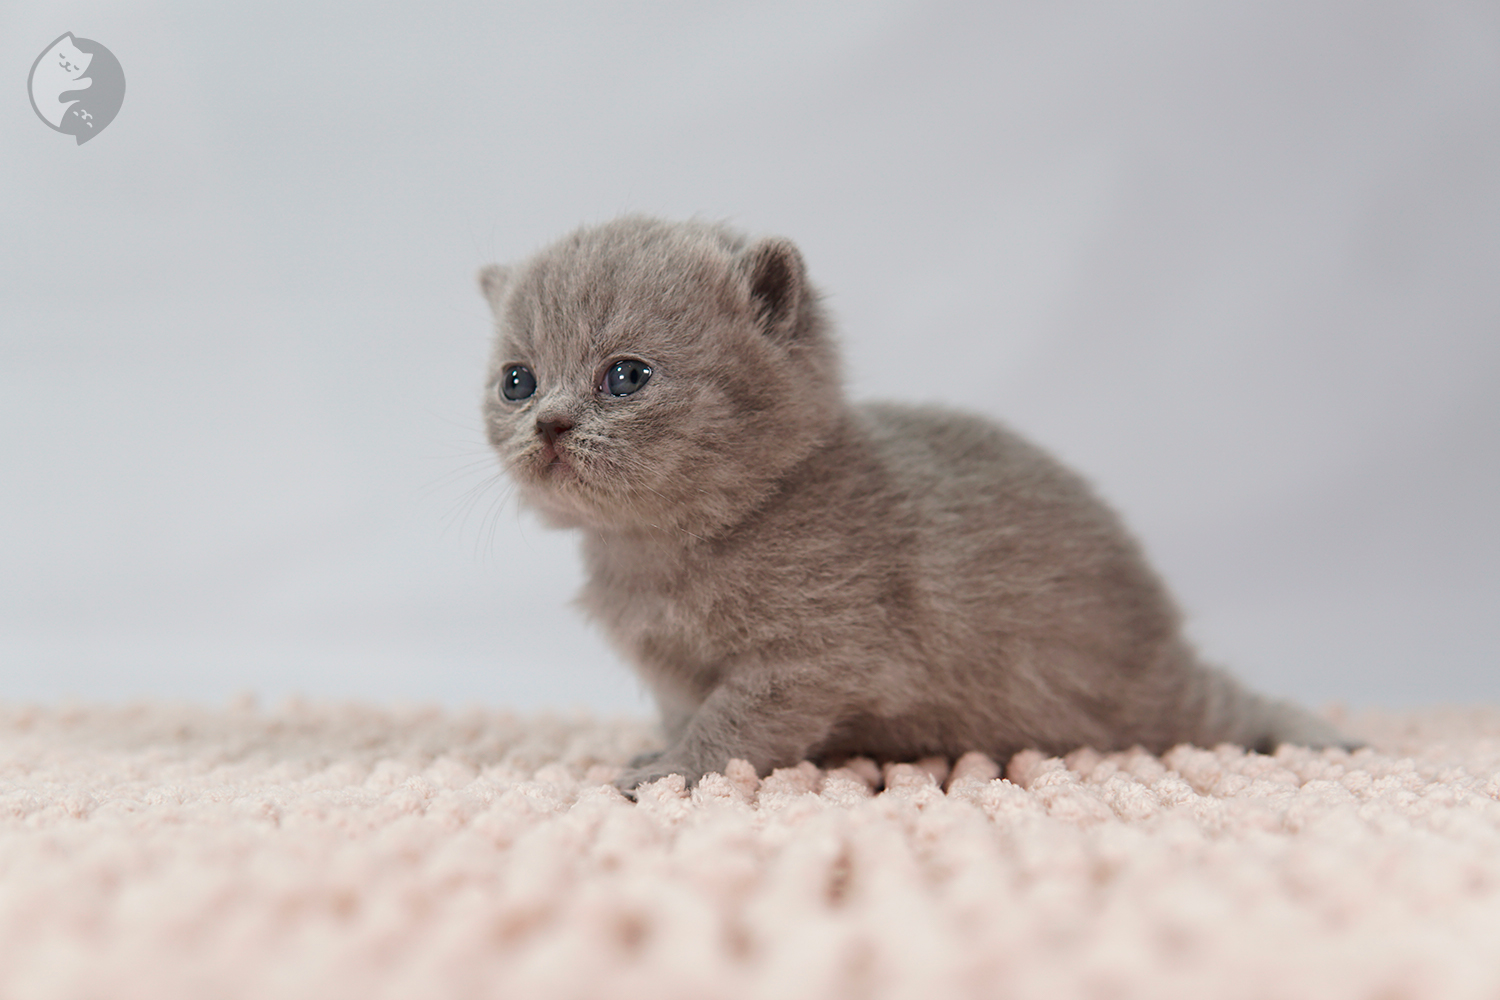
[(1036, 598)]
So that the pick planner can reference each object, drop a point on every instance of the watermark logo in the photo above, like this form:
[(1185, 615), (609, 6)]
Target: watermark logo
[(76, 87)]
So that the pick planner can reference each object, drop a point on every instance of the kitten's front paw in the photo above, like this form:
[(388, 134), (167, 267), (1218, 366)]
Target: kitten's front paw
[(635, 777), (643, 759)]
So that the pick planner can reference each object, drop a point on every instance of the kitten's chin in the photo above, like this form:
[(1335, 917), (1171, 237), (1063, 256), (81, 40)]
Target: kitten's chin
[(561, 507), (555, 507)]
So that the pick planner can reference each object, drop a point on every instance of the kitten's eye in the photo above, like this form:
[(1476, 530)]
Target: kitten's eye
[(517, 383), (626, 377)]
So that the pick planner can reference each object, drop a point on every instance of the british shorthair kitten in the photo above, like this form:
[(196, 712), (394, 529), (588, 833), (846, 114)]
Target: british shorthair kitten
[(798, 577)]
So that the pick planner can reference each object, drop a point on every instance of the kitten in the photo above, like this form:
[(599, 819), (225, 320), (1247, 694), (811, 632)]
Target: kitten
[(796, 577)]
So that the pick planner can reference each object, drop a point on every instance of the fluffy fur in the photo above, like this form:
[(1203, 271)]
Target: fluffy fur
[(799, 578)]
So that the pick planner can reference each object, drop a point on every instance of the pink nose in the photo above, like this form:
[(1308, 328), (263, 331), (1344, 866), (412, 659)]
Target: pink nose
[(552, 428)]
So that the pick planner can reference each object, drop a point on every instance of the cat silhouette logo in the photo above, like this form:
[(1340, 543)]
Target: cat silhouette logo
[(77, 87)]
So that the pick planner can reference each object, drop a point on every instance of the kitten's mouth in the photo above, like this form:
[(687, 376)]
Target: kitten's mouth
[(551, 462)]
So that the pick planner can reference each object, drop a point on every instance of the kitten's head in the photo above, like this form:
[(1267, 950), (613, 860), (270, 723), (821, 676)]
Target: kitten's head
[(655, 375)]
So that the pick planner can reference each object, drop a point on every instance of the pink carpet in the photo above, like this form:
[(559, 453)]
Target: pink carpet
[(330, 851)]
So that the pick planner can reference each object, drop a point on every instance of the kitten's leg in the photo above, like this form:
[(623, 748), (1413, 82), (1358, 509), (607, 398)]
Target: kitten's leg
[(769, 718), (675, 711)]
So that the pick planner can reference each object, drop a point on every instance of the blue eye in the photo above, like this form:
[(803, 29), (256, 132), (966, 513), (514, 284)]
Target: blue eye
[(626, 377), (517, 383)]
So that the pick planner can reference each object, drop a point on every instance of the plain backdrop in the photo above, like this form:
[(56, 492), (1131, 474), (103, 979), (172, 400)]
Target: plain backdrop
[(1239, 263)]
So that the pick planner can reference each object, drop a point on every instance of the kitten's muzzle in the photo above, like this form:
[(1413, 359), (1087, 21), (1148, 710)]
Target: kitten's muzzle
[(552, 428)]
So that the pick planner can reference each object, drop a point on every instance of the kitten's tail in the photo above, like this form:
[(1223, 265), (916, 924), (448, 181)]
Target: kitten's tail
[(1232, 713)]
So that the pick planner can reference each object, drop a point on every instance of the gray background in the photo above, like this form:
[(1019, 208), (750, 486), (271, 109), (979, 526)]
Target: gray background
[(1236, 262)]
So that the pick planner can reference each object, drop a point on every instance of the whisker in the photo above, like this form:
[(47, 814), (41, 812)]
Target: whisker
[(452, 421), (472, 499), (449, 478)]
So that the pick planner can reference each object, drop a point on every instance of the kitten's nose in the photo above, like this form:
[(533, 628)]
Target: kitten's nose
[(552, 428)]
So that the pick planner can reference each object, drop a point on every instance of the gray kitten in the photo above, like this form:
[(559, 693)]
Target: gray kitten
[(796, 577)]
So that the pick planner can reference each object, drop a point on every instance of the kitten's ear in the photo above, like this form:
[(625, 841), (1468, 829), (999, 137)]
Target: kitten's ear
[(492, 281), (778, 280)]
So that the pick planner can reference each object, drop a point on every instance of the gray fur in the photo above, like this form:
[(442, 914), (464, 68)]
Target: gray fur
[(797, 577)]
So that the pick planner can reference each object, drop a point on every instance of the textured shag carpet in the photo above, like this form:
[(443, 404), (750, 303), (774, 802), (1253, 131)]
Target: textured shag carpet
[(326, 852)]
